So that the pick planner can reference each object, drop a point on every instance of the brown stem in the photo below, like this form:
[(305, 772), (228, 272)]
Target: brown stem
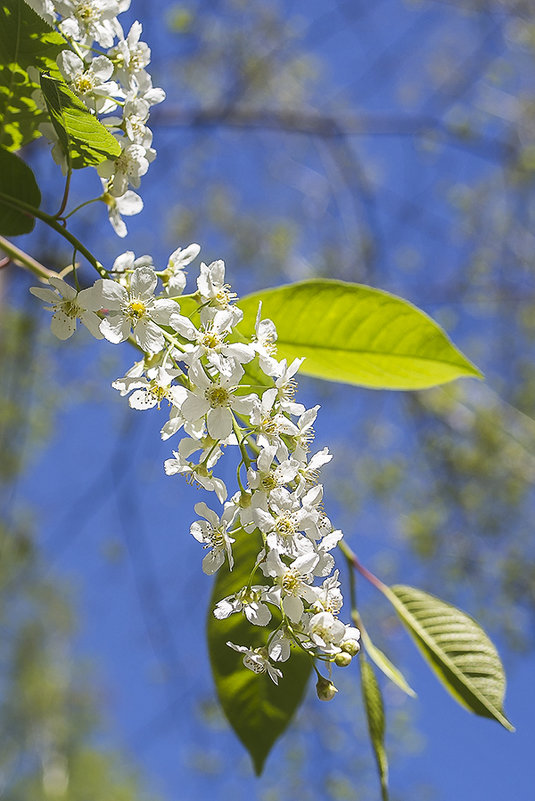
[(352, 558)]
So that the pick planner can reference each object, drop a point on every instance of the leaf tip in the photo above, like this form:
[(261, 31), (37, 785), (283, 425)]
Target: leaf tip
[(258, 764), (507, 724)]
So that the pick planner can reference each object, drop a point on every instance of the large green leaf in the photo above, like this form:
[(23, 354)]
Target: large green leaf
[(456, 647), (358, 335), (26, 41), (18, 183), (83, 139), (257, 709), (375, 716)]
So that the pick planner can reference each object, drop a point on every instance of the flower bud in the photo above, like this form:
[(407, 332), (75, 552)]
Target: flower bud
[(351, 647), (325, 689), (245, 500), (343, 659)]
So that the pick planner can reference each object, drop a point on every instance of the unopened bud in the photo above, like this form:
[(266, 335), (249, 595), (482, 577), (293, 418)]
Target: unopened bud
[(351, 647), (343, 659), (325, 689)]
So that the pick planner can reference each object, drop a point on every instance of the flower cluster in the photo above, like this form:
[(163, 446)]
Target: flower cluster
[(225, 393), (106, 69)]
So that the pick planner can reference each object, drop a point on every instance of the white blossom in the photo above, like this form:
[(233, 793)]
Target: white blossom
[(88, 21), (67, 306), (215, 399), (257, 660), (212, 532), (90, 81), (214, 293), (127, 168), (292, 583), (327, 632), (128, 204), (249, 601), (174, 277), (135, 309), (130, 55), (196, 473)]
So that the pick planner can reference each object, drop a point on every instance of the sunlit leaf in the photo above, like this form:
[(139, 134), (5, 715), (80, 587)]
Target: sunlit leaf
[(83, 139), (373, 705), (358, 335), (26, 40), (385, 665), (457, 648), (17, 182), (257, 709)]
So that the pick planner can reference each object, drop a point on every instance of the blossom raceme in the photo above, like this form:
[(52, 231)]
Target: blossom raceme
[(196, 367), (106, 69)]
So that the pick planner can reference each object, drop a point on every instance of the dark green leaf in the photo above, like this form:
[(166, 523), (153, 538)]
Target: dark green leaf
[(356, 334), (18, 183), (457, 648), (257, 709), (373, 704), (83, 139)]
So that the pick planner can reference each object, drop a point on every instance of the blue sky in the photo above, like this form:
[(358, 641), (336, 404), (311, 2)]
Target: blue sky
[(126, 553)]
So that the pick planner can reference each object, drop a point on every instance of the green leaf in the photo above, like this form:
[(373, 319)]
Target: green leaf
[(26, 40), (257, 709), (375, 716), (17, 182), (383, 663), (83, 139), (358, 335), (456, 647)]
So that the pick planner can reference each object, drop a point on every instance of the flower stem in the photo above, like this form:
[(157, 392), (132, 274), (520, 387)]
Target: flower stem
[(20, 205), (85, 203), (65, 198), (352, 559)]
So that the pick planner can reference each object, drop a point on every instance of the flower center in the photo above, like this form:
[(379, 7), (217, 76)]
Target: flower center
[(269, 482), (71, 308), (86, 12), (288, 390), (248, 596), (158, 392), (127, 164), (224, 296), (218, 396), (268, 425), (284, 526), (83, 84), (290, 581), (136, 309), (217, 537), (137, 60), (210, 340)]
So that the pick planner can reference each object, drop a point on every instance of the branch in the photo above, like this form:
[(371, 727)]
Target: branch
[(326, 126), (22, 259)]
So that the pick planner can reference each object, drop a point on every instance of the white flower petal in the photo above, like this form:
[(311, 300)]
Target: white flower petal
[(219, 422), (62, 325), (115, 328), (143, 283), (147, 334)]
